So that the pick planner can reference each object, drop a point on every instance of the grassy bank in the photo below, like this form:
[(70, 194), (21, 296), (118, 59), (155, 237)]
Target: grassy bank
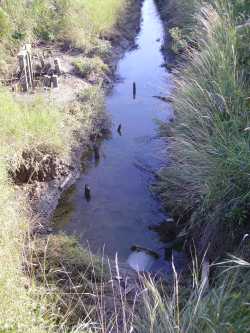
[(192, 307), (207, 182), (27, 150), (74, 23), (25, 145)]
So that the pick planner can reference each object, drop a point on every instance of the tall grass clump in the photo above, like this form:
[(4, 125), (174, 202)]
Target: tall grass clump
[(208, 178), (222, 308)]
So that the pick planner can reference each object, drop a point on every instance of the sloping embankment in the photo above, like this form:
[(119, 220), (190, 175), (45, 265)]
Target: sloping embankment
[(206, 185), (39, 152)]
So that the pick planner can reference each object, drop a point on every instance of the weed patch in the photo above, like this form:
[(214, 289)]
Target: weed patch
[(193, 309), (90, 66)]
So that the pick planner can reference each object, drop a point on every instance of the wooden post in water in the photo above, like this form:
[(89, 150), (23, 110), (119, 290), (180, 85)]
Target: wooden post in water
[(119, 129), (87, 192), (134, 90)]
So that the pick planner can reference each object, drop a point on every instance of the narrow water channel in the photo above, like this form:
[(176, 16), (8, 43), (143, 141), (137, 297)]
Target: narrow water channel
[(122, 206)]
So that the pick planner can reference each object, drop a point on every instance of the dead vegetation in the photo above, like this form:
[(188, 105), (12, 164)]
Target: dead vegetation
[(38, 167), (83, 289)]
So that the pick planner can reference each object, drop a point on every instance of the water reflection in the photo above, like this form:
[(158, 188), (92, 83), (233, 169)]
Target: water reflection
[(119, 170)]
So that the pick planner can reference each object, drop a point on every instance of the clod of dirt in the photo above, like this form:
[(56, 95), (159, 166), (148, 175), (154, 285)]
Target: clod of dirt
[(37, 167)]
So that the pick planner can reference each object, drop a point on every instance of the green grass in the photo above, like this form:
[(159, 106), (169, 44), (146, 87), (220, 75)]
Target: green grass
[(87, 66), (206, 182), (26, 125), (104, 13), (209, 172), (75, 23), (70, 275), (189, 307), (17, 306), (26, 306), (25, 129), (180, 13)]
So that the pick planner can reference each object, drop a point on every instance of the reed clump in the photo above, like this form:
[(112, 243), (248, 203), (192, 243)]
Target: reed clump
[(208, 177), (191, 307)]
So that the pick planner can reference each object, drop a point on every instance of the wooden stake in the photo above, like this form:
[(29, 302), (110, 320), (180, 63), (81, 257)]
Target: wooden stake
[(134, 90), (41, 58), (29, 70), (23, 69), (54, 81), (28, 48), (119, 129), (57, 66), (87, 192), (47, 81)]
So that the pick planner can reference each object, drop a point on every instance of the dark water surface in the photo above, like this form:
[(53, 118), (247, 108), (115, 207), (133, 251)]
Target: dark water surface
[(122, 206)]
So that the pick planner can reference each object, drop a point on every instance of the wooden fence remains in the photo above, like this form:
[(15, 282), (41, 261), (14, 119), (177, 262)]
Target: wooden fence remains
[(28, 76), (26, 70)]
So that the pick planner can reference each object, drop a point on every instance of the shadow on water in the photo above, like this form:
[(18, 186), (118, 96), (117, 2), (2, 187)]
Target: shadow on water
[(122, 209)]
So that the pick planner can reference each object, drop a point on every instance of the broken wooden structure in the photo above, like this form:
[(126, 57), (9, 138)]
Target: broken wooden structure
[(26, 71), (48, 74)]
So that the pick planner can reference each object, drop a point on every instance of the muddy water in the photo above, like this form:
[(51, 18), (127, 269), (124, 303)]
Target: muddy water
[(122, 207)]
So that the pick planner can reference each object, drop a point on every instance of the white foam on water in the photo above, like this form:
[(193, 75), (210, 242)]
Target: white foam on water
[(140, 261)]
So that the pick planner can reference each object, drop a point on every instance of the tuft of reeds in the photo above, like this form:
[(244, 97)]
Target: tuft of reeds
[(208, 177), (190, 307)]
